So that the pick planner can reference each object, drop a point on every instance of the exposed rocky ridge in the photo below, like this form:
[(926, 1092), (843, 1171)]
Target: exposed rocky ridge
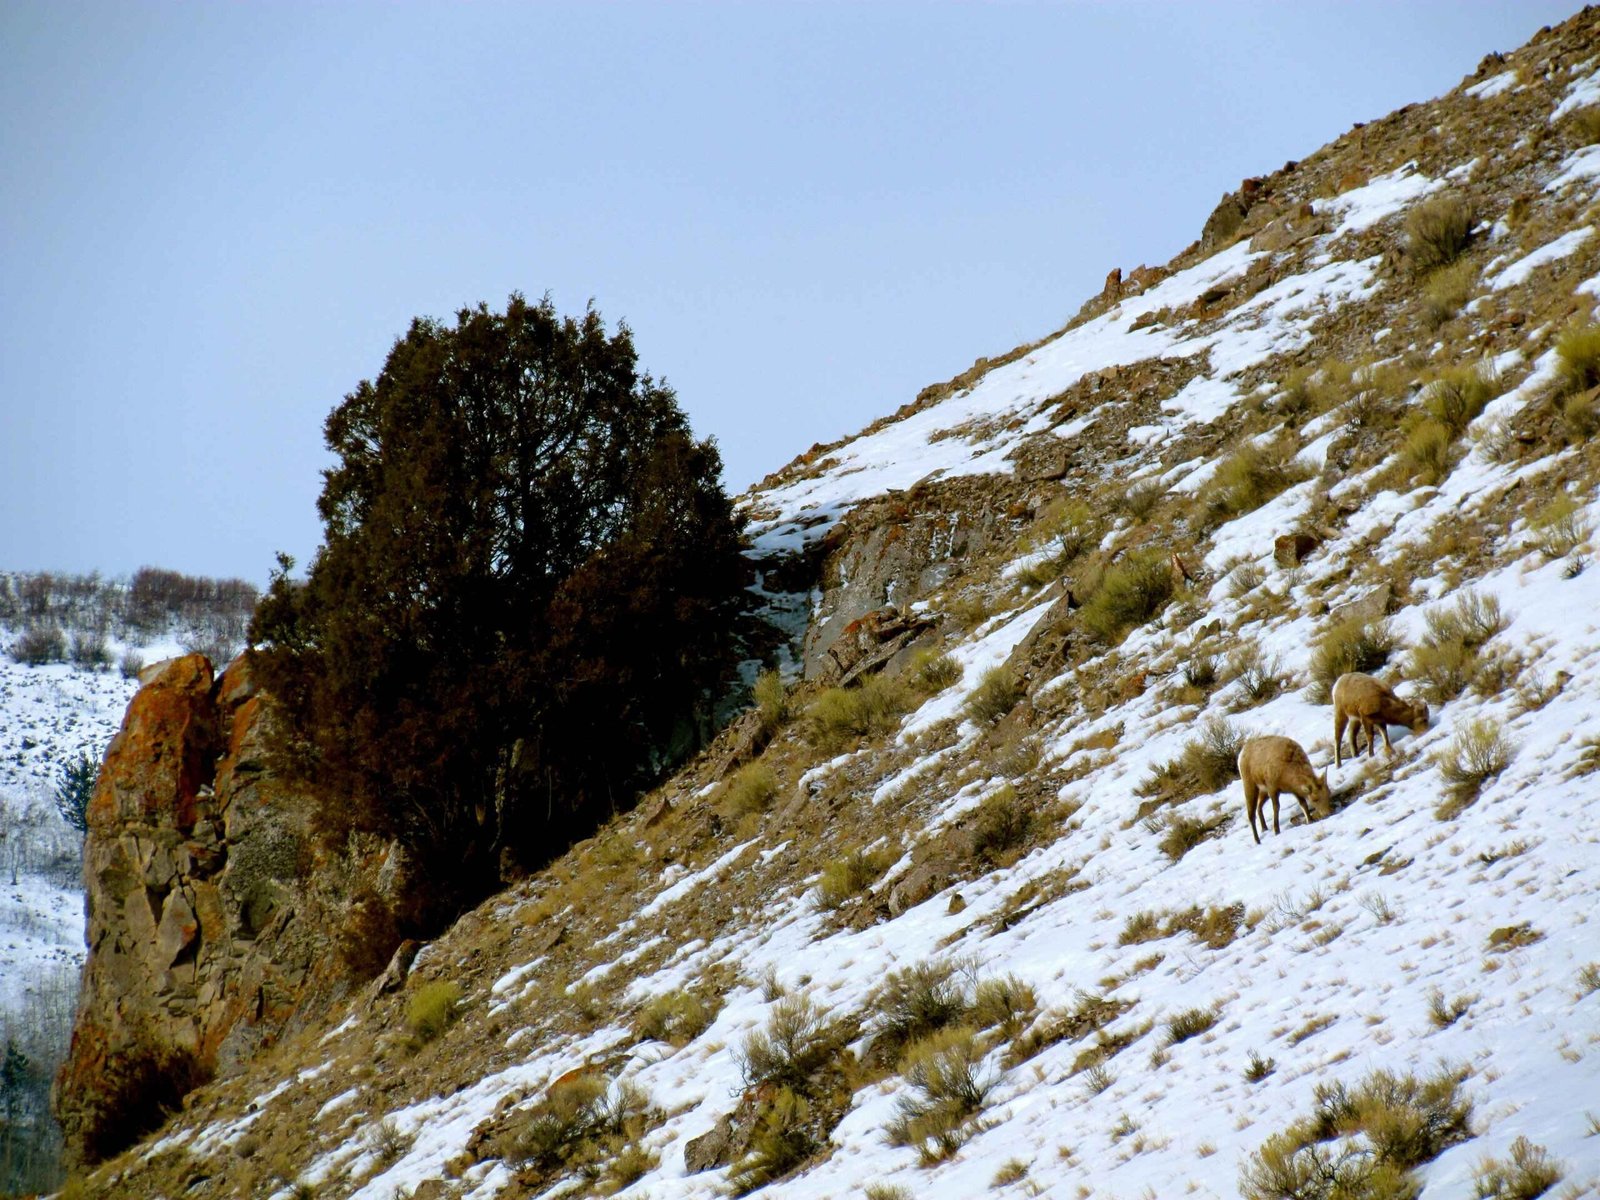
[(212, 915), (691, 892)]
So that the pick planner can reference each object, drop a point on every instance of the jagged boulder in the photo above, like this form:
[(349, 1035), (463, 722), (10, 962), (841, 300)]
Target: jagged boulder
[(211, 909)]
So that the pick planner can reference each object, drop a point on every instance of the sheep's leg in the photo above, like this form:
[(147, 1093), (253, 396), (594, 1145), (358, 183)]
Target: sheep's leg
[(1252, 801), (1340, 719), (1304, 806), (1387, 744), (1275, 828)]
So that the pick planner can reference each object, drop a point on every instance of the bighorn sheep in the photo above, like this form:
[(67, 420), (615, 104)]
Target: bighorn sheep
[(1372, 706), (1270, 765)]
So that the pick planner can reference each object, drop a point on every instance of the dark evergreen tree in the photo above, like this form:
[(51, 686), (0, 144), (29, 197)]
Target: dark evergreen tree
[(74, 789), (525, 598)]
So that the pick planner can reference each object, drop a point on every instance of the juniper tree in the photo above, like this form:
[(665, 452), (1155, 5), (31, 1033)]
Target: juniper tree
[(524, 599)]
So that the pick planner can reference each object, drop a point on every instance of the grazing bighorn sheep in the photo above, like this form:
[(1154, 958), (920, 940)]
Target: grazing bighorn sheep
[(1270, 765), (1372, 706)]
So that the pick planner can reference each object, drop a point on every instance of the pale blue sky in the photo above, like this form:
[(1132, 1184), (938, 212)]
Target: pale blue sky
[(215, 219)]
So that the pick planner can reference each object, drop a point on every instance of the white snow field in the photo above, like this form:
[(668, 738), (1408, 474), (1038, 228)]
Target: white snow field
[(49, 715)]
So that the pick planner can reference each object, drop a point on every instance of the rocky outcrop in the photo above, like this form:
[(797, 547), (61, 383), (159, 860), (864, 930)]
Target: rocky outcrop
[(893, 551), (212, 914)]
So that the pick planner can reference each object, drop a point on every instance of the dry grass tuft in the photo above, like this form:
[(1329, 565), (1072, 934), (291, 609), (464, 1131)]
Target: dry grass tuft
[(1558, 528), (1131, 592), (1447, 291), (750, 790), (1578, 358), (1457, 396), (1216, 927), (1249, 477), (1183, 833), (997, 693), (1584, 124), (676, 1017), (1437, 231), (772, 700), (1190, 1023), (1001, 824), (839, 716), (845, 878), (1529, 1171), (932, 671), (1445, 1013), (431, 1010)]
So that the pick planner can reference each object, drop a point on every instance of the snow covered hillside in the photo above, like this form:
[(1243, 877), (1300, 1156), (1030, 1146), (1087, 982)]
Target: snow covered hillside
[(49, 715), (993, 921)]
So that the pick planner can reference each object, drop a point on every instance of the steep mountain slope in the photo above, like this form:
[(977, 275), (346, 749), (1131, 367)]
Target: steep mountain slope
[(1354, 425)]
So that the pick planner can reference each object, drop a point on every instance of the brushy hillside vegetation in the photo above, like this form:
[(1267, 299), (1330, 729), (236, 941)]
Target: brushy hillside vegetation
[(991, 921)]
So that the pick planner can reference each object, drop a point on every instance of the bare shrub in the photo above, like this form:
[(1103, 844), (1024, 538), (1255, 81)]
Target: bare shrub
[(1208, 762), (89, 650), (999, 825), (798, 1039), (1260, 676), (916, 1001), (1475, 756), (783, 1139), (1349, 645), (37, 645), (948, 1087), (1361, 1143)]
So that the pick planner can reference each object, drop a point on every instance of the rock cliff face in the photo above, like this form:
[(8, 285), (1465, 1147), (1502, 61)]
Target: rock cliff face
[(212, 914)]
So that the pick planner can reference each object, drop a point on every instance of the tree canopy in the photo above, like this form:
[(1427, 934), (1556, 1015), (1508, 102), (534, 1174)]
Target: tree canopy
[(525, 599)]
